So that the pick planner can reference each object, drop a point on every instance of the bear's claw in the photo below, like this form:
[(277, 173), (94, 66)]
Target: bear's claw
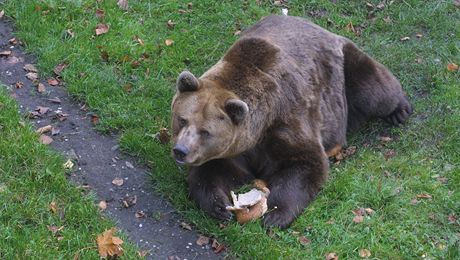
[(400, 114)]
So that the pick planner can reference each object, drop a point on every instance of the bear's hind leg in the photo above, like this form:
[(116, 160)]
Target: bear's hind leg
[(372, 90), (210, 184)]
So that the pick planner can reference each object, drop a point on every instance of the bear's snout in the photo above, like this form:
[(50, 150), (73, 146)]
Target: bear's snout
[(180, 152)]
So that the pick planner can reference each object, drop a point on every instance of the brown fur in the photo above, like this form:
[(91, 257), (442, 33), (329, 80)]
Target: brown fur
[(273, 108)]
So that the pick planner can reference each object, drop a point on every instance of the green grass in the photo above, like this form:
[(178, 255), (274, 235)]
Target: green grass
[(426, 148), (31, 178)]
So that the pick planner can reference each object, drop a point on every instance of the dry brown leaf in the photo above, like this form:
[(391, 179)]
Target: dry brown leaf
[(359, 212), (140, 214), (403, 39), (30, 68), (19, 84), (53, 207), (53, 82), (358, 219), (94, 119), (163, 136), (42, 110), (452, 67), (100, 13), (128, 87), (452, 218), (129, 201), (424, 196), (101, 29), (385, 139), (170, 24), (109, 245), (389, 154), (369, 211), (123, 4), (186, 226), (169, 42), (32, 76), (55, 229), (44, 139), (44, 129), (364, 253), (5, 53), (13, 41), (102, 204), (117, 181), (59, 68), (304, 241), (350, 27), (55, 100), (202, 240), (139, 40), (332, 256), (41, 88)]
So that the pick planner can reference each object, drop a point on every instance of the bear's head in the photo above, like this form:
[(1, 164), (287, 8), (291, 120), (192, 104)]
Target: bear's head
[(206, 120)]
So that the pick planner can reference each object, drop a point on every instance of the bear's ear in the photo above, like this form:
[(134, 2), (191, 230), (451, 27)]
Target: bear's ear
[(187, 82), (252, 51), (237, 110)]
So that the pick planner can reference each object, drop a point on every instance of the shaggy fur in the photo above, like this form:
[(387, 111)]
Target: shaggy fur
[(272, 108)]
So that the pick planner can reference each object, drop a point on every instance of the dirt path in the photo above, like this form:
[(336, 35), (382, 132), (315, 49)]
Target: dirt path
[(99, 162)]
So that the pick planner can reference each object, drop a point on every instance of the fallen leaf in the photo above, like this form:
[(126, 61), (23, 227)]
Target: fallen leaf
[(5, 53), (123, 4), (41, 88), (135, 64), (452, 218), (419, 35), (32, 76), (55, 229), (55, 100), (129, 201), (358, 219), (94, 119), (140, 214), (170, 24), (30, 68), (389, 154), (364, 253), (129, 165), (350, 27), (19, 84), (332, 256), (44, 129), (44, 139), (304, 241), (53, 207), (169, 42), (13, 41), (139, 40), (385, 139), (164, 136), (380, 6), (403, 39), (68, 164), (101, 29), (128, 87), (186, 226), (117, 181), (53, 82), (424, 196), (59, 68), (100, 13), (42, 110), (369, 211), (452, 67), (202, 240), (359, 212), (109, 245), (102, 204), (61, 116), (2, 13)]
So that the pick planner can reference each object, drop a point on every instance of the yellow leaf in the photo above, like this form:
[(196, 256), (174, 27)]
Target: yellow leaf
[(452, 67), (108, 245)]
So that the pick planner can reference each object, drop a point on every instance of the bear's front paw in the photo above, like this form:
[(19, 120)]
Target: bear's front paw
[(278, 218), (214, 203), (401, 113)]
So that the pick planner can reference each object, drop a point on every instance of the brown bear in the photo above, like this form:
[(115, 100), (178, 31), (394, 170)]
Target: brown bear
[(281, 99)]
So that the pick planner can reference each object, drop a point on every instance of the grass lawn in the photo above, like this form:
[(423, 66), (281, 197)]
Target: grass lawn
[(32, 180), (127, 76)]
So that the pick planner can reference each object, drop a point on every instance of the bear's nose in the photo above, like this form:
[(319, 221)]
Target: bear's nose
[(180, 152)]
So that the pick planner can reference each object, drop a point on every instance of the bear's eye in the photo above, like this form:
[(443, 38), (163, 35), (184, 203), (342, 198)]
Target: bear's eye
[(182, 122), (204, 133)]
